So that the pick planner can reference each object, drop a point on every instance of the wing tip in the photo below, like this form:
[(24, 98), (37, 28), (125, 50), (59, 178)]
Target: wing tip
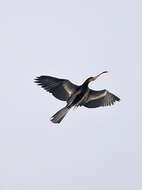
[(39, 80), (117, 99), (36, 80)]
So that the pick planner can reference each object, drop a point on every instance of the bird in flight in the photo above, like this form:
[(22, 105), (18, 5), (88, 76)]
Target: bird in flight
[(75, 95)]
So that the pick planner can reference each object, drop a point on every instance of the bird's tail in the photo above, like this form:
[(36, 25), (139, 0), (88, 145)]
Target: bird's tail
[(57, 117)]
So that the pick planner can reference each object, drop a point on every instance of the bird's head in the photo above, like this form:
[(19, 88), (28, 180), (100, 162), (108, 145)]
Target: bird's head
[(90, 79)]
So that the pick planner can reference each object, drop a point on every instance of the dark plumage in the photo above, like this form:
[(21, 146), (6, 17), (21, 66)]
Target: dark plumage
[(75, 95)]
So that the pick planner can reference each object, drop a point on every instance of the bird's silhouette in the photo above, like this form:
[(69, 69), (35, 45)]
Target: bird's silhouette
[(75, 95)]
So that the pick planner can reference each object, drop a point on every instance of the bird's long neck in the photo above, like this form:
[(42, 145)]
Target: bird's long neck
[(85, 84)]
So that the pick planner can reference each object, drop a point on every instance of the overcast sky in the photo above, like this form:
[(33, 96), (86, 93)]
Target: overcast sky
[(92, 148)]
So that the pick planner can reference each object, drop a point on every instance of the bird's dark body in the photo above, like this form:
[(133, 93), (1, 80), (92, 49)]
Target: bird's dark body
[(75, 95), (81, 96)]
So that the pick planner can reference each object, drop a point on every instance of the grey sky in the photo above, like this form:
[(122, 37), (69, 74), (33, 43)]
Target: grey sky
[(91, 149)]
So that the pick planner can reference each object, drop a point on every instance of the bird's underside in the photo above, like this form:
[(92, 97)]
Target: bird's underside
[(75, 95)]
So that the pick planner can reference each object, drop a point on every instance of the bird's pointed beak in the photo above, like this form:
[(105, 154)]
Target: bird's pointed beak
[(104, 72), (94, 78)]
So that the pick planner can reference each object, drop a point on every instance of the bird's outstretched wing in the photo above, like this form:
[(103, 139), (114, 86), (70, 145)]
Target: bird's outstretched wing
[(62, 89), (100, 98)]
